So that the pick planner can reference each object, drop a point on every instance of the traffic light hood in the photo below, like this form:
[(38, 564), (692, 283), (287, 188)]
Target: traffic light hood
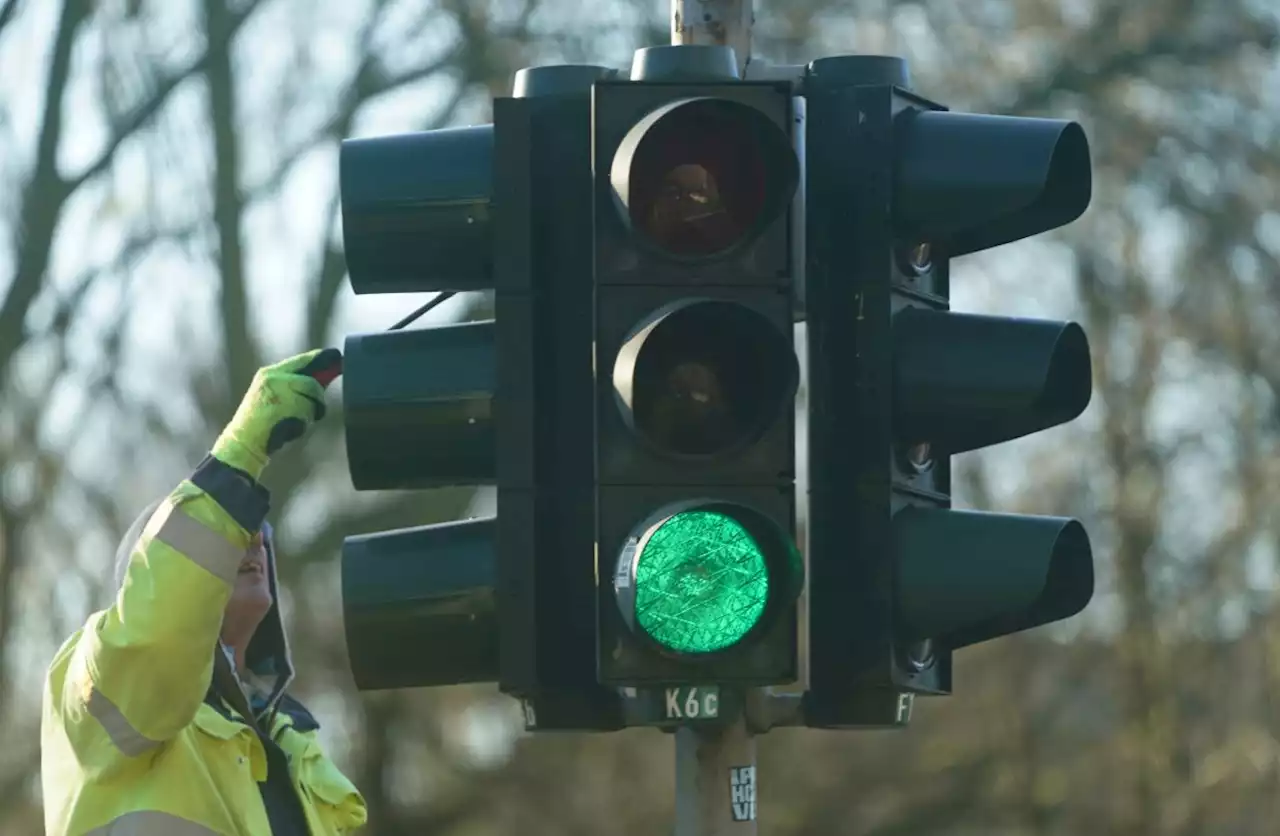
[(418, 407), (415, 210), (966, 381), (965, 577), (969, 182), (419, 605)]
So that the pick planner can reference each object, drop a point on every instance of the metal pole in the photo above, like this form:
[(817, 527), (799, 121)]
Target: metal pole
[(716, 780), (715, 764), (714, 22)]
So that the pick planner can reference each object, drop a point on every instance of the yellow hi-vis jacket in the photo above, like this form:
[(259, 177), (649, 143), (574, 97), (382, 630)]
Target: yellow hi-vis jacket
[(134, 739)]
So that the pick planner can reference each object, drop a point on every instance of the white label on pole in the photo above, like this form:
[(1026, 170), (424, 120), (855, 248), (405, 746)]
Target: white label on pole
[(742, 793), (905, 703), (691, 703)]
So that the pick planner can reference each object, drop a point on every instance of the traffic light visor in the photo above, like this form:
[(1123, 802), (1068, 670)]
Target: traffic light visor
[(970, 181), (698, 177), (966, 381), (418, 407), (702, 577), (965, 577), (703, 378), (415, 210), (419, 606)]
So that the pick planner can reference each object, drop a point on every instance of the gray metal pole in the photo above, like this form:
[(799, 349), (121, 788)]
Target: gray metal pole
[(716, 780), (715, 764), (714, 22)]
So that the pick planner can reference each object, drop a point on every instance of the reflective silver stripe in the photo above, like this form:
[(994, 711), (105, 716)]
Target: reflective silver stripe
[(204, 546), (127, 739), (151, 823)]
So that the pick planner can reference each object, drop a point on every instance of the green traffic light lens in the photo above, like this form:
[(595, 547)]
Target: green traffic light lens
[(701, 582)]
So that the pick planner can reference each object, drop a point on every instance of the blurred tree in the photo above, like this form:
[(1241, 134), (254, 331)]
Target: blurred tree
[(168, 209), (141, 293)]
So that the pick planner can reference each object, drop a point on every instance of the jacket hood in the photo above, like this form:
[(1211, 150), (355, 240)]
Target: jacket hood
[(268, 657)]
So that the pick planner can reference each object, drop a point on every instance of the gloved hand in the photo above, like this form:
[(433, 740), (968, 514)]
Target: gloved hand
[(283, 401)]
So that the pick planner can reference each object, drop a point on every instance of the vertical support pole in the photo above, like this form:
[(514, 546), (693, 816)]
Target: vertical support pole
[(714, 23), (716, 780), (715, 765)]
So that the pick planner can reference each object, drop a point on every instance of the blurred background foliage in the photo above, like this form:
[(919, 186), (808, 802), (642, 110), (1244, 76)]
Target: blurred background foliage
[(167, 224)]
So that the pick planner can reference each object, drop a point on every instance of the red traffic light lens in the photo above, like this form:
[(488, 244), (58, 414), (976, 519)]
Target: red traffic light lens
[(702, 176)]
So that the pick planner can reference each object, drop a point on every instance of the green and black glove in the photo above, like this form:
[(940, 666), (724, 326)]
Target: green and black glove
[(282, 403)]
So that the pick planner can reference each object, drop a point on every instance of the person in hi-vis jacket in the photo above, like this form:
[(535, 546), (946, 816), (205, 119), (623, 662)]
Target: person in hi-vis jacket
[(167, 714)]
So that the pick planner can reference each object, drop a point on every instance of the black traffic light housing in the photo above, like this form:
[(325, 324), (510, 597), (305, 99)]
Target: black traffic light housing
[(419, 604), (546, 581), (410, 430), (506, 402), (696, 374), (649, 243), (417, 210), (898, 383)]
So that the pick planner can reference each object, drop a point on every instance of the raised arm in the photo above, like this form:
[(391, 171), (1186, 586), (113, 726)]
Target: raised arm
[(142, 667)]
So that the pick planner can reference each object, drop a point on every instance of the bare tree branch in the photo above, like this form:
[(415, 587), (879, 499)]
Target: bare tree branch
[(241, 357), (1073, 75), (7, 12), (217, 47), (44, 192)]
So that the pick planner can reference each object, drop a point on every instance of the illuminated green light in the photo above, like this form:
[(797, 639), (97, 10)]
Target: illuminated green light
[(701, 582)]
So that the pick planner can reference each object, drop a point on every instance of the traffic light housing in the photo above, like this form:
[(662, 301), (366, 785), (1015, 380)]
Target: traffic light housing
[(506, 401), (419, 604), (649, 243), (898, 383), (696, 374)]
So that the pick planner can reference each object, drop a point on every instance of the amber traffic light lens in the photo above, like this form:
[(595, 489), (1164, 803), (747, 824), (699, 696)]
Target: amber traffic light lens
[(704, 377)]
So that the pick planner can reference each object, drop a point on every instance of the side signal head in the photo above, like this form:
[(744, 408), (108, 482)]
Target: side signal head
[(699, 177)]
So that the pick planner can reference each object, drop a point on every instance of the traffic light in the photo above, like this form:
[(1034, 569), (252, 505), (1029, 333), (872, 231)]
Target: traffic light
[(419, 604), (695, 374), (898, 383), (506, 401), (648, 242)]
